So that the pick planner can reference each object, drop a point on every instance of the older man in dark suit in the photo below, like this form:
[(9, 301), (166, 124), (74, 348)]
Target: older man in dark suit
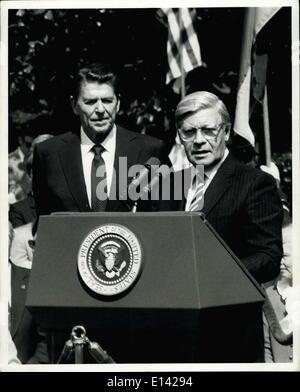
[(240, 202), (68, 169)]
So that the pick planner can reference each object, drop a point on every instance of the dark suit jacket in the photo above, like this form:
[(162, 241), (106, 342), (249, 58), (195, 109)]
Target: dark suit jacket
[(22, 212), (30, 342), (243, 205), (58, 179)]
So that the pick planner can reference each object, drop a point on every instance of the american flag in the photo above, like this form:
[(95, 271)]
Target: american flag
[(183, 49)]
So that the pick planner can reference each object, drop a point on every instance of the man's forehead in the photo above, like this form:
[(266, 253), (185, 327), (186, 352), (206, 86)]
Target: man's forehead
[(208, 116), (94, 87)]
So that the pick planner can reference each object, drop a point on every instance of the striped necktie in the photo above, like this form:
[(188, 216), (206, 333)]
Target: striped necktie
[(198, 198), (99, 192)]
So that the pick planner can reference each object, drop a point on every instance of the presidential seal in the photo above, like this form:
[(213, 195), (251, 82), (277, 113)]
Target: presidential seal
[(110, 259)]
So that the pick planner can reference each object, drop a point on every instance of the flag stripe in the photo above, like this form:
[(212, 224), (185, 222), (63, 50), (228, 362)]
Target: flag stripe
[(174, 64), (189, 37), (183, 48), (262, 17), (183, 52)]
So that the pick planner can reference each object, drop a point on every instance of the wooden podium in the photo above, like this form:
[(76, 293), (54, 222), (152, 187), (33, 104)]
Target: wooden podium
[(193, 300)]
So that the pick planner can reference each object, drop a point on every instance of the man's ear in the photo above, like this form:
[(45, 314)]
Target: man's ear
[(227, 135), (73, 104), (119, 102)]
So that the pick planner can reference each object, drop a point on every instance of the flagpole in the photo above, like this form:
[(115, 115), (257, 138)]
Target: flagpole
[(182, 77), (242, 110), (248, 29), (266, 128)]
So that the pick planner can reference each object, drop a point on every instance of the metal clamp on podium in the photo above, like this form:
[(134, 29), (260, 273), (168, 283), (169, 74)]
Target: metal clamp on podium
[(77, 343)]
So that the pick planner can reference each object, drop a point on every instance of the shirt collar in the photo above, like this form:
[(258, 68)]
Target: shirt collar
[(108, 143)]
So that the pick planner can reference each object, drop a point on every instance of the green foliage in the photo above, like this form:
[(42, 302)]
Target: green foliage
[(47, 46), (41, 45)]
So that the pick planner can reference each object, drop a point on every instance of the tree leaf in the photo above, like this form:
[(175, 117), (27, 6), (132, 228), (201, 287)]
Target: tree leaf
[(20, 13), (49, 15), (28, 69), (31, 85)]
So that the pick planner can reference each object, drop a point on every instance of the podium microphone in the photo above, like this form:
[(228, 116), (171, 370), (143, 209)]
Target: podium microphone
[(143, 173), (138, 181), (153, 183)]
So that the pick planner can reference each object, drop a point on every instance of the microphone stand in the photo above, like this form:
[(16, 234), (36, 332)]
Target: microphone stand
[(132, 205), (77, 343), (134, 208)]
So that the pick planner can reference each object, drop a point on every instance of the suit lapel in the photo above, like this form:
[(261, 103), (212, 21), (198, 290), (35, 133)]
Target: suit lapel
[(71, 162), (124, 149), (186, 183), (19, 281), (219, 184)]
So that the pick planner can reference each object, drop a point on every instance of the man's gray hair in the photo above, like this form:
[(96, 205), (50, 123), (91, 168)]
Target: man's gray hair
[(200, 100)]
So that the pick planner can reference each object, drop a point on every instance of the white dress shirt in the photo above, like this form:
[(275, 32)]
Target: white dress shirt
[(208, 177), (108, 156), (21, 251)]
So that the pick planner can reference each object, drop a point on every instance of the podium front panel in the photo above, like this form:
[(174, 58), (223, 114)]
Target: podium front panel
[(185, 268), (191, 301)]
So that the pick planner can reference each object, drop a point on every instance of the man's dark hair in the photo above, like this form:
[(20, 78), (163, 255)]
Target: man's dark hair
[(96, 72)]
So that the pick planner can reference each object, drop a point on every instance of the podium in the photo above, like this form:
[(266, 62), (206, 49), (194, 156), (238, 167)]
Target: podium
[(191, 299)]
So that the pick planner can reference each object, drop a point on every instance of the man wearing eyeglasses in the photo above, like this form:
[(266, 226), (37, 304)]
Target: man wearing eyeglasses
[(240, 202)]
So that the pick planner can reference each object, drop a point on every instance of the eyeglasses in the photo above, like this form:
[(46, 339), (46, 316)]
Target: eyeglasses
[(189, 135)]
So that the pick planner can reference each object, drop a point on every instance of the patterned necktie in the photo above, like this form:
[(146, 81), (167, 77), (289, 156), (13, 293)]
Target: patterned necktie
[(99, 192), (197, 200)]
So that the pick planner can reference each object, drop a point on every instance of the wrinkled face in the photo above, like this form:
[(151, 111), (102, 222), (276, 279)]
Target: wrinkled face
[(97, 107), (204, 138)]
